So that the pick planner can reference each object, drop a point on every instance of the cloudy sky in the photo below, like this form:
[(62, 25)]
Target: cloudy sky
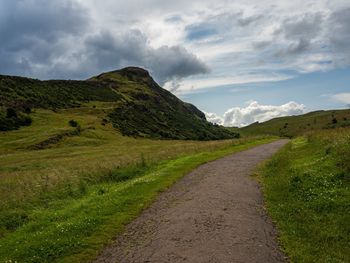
[(239, 61)]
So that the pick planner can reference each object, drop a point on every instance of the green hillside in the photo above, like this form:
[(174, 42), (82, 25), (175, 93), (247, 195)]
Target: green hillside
[(141, 107), (291, 126), (66, 191)]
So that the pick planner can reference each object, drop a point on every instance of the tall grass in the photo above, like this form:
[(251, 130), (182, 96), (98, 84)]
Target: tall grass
[(27, 173), (73, 220), (306, 186)]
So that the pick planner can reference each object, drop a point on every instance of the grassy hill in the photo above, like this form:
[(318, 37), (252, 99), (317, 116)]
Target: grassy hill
[(141, 107), (64, 192), (291, 126)]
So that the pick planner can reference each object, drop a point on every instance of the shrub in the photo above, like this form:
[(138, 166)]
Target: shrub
[(13, 121), (28, 110), (25, 121), (11, 113), (73, 123)]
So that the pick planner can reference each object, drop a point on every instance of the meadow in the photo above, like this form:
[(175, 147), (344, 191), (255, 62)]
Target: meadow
[(66, 191), (307, 192), (70, 182), (292, 126)]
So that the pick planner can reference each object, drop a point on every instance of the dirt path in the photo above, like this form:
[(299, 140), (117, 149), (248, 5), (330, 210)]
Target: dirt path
[(214, 214)]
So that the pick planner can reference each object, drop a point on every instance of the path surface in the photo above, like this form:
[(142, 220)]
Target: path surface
[(213, 214)]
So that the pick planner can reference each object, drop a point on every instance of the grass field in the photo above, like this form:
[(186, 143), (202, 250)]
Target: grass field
[(63, 200), (292, 126), (306, 187)]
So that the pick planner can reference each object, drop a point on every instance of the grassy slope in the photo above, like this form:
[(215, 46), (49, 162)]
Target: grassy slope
[(97, 148), (306, 186), (150, 111), (297, 125), (64, 202)]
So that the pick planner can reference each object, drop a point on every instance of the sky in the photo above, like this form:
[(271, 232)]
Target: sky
[(238, 61)]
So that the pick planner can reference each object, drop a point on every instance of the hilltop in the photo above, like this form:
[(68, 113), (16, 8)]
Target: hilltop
[(140, 107), (292, 126)]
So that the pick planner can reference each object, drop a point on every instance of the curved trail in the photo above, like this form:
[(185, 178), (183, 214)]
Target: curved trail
[(213, 214)]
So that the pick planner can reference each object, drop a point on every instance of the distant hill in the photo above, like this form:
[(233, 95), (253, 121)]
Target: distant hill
[(141, 106), (291, 126)]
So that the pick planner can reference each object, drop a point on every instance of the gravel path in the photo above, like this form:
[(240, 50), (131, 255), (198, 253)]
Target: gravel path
[(213, 214)]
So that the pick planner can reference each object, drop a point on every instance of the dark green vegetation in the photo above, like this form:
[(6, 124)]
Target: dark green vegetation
[(12, 120), (292, 126), (307, 191), (141, 107), (23, 93)]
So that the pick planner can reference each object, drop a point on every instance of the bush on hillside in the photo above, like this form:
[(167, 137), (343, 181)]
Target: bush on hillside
[(11, 113), (73, 123), (11, 120)]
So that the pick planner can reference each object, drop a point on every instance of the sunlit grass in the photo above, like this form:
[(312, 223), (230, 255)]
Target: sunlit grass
[(73, 224), (292, 126), (66, 201), (307, 191), (100, 148)]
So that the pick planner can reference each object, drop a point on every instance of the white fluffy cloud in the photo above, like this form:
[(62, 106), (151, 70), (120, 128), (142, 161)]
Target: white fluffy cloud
[(214, 118), (253, 112), (342, 97)]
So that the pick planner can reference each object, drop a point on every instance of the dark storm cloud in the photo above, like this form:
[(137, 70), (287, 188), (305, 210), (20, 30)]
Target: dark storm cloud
[(165, 63), (27, 20), (340, 22), (31, 32), (106, 50), (299, 33), (304, 33), (52, 39), (340, 35), (175, 62), (307, 26)]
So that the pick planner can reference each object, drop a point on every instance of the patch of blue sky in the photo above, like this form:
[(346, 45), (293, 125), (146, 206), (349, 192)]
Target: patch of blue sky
[(314, 90), (199, 31)]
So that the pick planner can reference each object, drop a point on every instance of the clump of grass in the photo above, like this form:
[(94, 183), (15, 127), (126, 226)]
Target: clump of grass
[(306, 186)]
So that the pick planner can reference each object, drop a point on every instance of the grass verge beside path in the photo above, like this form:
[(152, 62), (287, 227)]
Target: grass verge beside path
[(306, 187), (75, 228)]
